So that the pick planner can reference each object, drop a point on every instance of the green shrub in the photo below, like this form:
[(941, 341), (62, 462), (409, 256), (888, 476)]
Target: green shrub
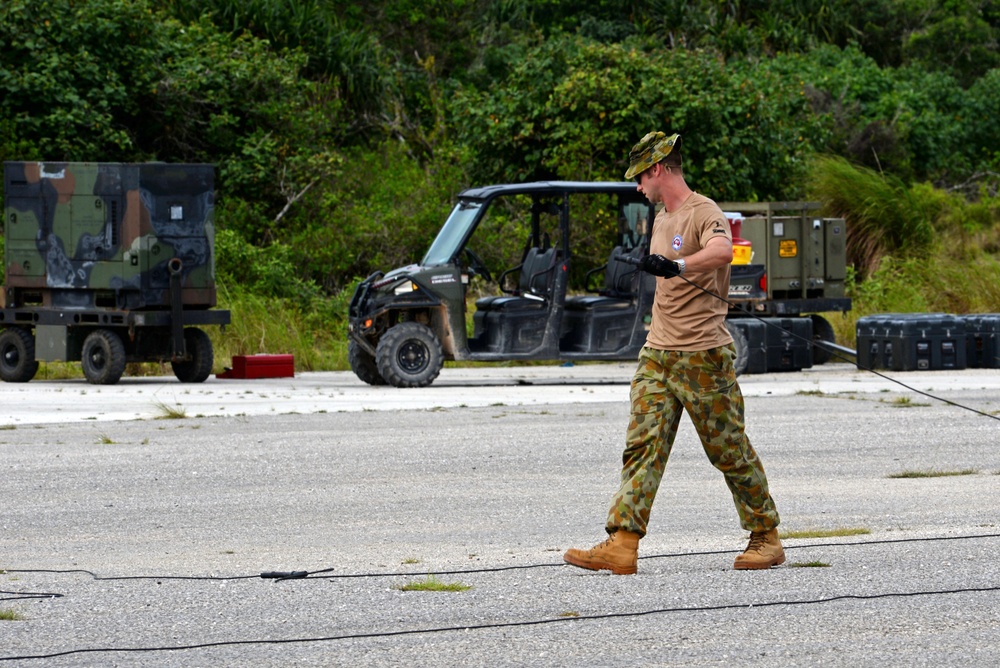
[(383, 212), (268, 271)]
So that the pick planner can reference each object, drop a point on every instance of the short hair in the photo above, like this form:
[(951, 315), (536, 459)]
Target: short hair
[(674, 158)]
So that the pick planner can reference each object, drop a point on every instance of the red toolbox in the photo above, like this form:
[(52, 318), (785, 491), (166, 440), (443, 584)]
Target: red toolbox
[(260, 366)]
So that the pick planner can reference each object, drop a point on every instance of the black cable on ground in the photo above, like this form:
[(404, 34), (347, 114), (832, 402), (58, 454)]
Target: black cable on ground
[(27, 595), (279, 576), (508, 625), (95, 576), (388, 634)]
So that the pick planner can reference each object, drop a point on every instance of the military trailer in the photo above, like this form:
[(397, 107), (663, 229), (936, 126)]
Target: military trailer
[(548, 303), (107, 264), (789, 266)]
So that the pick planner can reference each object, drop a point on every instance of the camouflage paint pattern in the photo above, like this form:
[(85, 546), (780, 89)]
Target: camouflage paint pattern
[(88, 235), (703, 384)]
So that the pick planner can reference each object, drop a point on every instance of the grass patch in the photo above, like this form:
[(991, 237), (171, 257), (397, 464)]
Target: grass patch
[(433, 584), (903, 402), (826, 533), (313, 331), (569, 613), (8, 615), (167, 412), (932, 473), (104, 439), (809, 564), (411, 560)]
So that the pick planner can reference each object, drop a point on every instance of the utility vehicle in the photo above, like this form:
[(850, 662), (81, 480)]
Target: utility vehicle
[(546, 271)]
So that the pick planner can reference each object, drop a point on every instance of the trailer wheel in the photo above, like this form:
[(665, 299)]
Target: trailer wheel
[(742, 360), (103, 357), (199, 348), (17, 355), (363, 365), (822, 331), (409, 355)]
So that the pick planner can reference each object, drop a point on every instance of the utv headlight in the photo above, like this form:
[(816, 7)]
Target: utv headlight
[(405, 288)]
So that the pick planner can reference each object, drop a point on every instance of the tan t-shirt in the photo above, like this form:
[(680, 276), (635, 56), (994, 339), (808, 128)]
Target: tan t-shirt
[(684, 317)]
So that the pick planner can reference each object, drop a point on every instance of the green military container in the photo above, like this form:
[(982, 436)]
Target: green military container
[(794, 264), (805, 255), (108, 263)]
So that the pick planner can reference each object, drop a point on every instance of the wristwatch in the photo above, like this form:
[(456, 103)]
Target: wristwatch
[(681, 266)]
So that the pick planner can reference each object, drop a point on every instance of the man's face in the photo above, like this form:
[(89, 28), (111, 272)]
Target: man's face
[(646, 184)]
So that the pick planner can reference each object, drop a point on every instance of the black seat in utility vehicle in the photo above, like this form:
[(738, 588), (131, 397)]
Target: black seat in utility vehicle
[(534, 283), (516, 323), (604, 322)]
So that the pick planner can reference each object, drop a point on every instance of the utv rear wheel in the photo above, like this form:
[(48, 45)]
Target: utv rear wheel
[(742, 360), (363, 365), (822, 331), (409, 355), (17, 355), (103, 357), (199, 348)]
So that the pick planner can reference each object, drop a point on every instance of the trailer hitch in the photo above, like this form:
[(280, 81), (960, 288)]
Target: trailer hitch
[(179, 353)]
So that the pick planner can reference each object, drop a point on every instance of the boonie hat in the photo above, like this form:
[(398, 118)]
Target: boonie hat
[(652, 148)]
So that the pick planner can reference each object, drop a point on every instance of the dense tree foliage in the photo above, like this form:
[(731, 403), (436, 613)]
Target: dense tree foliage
[(342, 130), (572, 108)]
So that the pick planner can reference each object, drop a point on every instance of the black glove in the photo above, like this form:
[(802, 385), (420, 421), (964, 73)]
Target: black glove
[(657, 265)]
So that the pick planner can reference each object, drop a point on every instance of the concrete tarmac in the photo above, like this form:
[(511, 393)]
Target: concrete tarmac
[(136, 521)]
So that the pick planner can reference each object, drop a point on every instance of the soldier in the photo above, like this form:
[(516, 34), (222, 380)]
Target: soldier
[(686, 365)]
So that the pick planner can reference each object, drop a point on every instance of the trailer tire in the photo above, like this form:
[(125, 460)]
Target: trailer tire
[(742, 359), (822, 331), (409, 355), (17, 355), (199, 348), (363, 364), (103, 357)]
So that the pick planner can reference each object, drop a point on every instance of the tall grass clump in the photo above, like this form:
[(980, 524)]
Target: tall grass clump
[(911, 249), (880, 212)]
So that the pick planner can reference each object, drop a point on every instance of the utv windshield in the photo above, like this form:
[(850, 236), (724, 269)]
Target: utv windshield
[(455, 231)]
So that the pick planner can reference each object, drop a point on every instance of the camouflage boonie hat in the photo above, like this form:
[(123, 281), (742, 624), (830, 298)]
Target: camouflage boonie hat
[(652, 148)]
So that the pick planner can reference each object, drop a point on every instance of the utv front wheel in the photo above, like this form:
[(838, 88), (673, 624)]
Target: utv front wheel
[(103, 357), (17, 355), (409, 355), (363, 365)]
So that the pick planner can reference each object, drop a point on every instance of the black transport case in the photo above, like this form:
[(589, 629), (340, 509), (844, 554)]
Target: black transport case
[(911, 342), (776, 344), (982, 340), (789, 344)]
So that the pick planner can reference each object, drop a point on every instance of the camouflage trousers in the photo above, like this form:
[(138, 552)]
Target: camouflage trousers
[(666, 384)]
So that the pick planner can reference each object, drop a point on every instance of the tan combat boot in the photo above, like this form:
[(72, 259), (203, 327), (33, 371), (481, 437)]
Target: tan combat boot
[(618, 554), (763, 551)]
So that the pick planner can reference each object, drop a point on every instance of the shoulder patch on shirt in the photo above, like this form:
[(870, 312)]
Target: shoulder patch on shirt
[(718, 230)]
